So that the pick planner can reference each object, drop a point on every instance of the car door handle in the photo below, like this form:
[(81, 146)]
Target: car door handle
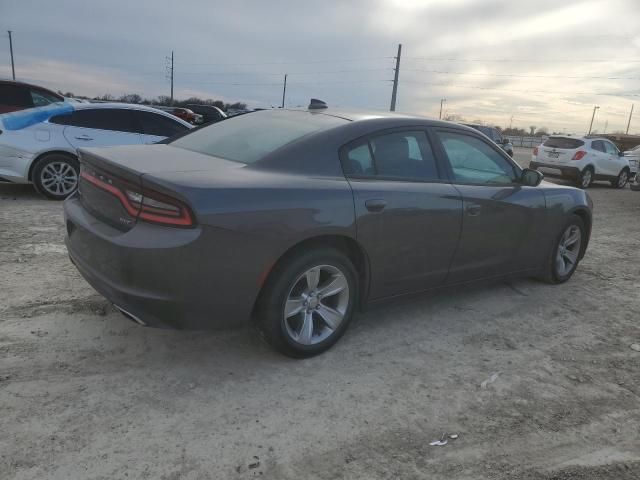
[(375, 204), (84, 137), (473, 210)]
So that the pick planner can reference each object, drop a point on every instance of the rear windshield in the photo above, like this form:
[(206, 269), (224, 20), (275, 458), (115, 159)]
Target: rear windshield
[(563, 142), (248, 138)]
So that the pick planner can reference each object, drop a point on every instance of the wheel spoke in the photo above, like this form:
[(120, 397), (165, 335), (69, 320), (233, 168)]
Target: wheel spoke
[(313, 277), (572, 238), (330, 316), (306, 331), (293, 307), (336, 284), (560, 264), (570, 256)]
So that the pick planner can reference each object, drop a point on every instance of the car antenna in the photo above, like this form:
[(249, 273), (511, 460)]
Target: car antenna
[(316, 104)]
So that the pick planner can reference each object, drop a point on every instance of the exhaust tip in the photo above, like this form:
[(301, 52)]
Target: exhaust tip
[(130, 315)]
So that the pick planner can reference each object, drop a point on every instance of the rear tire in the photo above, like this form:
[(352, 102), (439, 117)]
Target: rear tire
[(566, 252), (585, 178), (622, 179), (55, 175), (308, 302)]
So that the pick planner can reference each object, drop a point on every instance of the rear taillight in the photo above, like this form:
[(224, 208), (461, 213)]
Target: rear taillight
[(145, 204), (578, 155), (535, 150)]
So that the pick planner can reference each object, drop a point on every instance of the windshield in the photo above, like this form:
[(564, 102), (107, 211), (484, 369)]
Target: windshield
[(248, 138)]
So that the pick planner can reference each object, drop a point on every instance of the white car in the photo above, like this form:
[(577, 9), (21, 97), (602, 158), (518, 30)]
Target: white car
[(39, 145), (633, 156), (583, 159)]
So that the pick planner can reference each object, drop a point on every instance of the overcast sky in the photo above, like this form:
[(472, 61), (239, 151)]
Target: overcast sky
[(544, 62)]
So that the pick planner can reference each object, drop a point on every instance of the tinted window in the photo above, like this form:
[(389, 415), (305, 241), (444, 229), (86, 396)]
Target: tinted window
[(610, 148), (116, 119), (41, 98), (404, 155), (598, 145), (357, 160), (563, 142), (474, 161), (15, 96), (248, 138), (159, 125), (61, 119)]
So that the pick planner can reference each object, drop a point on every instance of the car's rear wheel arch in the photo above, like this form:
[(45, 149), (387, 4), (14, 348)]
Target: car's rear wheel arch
[(345, 245), (44, 154)]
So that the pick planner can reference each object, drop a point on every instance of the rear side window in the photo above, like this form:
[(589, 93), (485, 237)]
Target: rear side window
[(15, 96), (249, 138), (116, 119), (61, 119), (563, 142), (158, 125), (396, 155), (598, 145)]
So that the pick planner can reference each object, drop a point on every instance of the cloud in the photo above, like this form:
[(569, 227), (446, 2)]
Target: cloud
[(491, 59)]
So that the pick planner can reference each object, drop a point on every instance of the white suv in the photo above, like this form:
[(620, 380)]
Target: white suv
[(583, 159)]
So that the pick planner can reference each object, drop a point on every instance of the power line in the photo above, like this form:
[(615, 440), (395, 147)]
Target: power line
[(342, 60), (278, 74), (479, 87), (528, 60), (290, 83), (515, 75)]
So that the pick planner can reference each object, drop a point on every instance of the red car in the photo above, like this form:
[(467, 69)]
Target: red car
[(18, 96)]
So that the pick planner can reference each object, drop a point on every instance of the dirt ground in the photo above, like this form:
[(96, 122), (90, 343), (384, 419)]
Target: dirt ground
[(537, 381)]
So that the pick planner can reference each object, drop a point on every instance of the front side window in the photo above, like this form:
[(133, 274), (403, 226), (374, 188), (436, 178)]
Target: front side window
[(159, 125), (15, 96), (41, 98), (397, 155), (116, 119), (610, 148), (474, 161)]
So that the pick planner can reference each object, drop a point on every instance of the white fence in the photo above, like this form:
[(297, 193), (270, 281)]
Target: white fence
[(530, 142)]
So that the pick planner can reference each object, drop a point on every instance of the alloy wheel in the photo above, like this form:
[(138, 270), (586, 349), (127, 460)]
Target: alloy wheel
[(622, 179), (568, 250), (316, 304), (586, 178), (59, 178)]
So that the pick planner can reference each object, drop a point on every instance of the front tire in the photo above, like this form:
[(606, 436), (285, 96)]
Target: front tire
[(308, 302), (566, 252), (55, 175), (622, 179)]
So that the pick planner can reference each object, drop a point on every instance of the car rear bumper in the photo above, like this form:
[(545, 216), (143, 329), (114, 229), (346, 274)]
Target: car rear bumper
[(160, 276), (552, 170)]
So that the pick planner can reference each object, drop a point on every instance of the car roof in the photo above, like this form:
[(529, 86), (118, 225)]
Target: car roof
[(31, 85), (356, 115), (101, 105)]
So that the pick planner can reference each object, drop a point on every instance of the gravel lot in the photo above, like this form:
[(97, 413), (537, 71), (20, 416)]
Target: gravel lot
[(87, 394)]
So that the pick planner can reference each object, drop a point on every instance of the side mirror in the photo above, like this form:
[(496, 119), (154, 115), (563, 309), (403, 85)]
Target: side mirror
[(531, 178)]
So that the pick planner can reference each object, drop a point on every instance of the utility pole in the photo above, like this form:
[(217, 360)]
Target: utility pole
[(13, 68), (511, 123), (442, 100), (394, 92), (284, 89), (592, 117), (629, 122), (171, 77), (606, 124)]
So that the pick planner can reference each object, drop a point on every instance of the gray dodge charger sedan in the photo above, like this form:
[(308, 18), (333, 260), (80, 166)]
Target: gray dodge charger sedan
[(298, 218)]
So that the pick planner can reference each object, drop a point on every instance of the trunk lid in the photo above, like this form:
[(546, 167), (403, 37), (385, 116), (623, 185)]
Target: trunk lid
[(559, 150), (111, 176)]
